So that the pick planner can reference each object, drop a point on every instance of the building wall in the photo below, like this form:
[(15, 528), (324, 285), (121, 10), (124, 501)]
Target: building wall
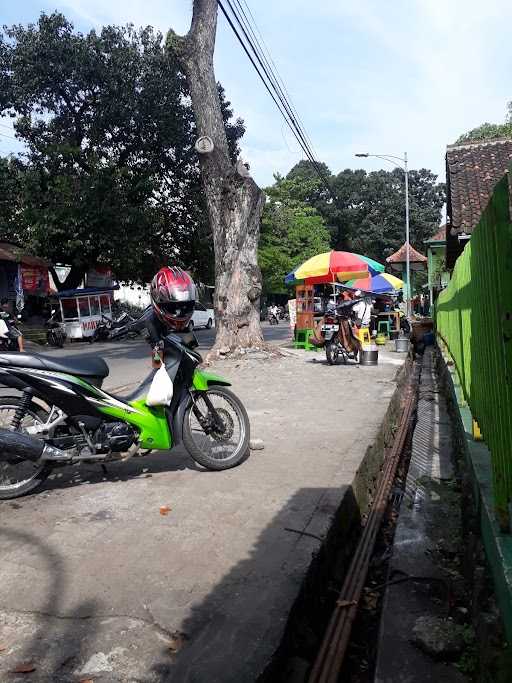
[(135, 295)]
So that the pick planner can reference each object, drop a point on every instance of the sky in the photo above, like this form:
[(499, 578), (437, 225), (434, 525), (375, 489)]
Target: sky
[(364, 75)]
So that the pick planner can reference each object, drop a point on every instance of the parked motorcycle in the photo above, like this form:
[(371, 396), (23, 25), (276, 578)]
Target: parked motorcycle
[(8, 342), (273, 319), (104, 329), (64, 416), (55, 332), (340, 333)]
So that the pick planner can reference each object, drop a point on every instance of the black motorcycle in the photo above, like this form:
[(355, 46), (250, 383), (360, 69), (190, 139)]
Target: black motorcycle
[(55, 332), (8, 339), (340, 325), (104, 329)]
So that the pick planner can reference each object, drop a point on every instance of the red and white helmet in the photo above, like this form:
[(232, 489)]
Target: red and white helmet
[(173, 295)]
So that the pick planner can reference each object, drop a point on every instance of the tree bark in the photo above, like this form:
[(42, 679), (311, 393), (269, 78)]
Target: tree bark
[(234, 201)]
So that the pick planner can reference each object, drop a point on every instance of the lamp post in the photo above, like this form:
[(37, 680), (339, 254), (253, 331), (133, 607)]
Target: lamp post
[(392, 160)]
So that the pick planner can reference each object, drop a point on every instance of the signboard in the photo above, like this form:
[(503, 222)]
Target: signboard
[(35, 279), (99, 276), (292, 310)]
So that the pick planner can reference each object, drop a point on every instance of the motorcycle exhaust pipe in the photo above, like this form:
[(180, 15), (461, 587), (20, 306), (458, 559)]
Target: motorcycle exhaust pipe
[(16, 445)]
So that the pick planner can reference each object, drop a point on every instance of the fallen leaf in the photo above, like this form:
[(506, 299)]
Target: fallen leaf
[(25, 668), (177, 641), (164, 510), (3, 647), (86, 680)]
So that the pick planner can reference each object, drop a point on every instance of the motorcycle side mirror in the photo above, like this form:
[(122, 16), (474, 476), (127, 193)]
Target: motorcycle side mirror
[(52, 312), (19, 317)]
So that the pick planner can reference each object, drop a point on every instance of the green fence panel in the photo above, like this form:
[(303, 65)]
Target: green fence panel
[(474, 319)]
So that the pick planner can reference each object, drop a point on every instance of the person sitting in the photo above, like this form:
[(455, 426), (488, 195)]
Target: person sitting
[(12, 331), (363, 310)]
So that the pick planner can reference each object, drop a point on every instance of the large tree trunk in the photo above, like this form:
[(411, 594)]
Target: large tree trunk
[(233, 199)]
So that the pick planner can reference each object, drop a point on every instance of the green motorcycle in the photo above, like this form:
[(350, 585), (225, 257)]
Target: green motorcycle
[(60, 415)]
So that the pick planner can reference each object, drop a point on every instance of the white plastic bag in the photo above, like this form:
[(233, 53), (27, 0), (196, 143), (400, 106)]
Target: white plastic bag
[(160, 391)]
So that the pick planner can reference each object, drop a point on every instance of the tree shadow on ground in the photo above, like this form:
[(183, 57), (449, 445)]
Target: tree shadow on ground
[(35, 638), (265, 619), (263, 616)]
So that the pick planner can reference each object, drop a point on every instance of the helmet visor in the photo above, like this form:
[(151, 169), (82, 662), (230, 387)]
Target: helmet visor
[(177, 309)]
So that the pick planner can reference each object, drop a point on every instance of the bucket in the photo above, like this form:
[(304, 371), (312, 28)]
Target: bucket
[(402, 345), (369, 355)]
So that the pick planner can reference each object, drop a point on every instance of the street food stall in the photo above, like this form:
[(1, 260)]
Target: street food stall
[(328, 268), (81, 310)]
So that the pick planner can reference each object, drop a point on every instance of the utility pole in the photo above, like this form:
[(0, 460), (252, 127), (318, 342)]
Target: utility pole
[(392, 160)]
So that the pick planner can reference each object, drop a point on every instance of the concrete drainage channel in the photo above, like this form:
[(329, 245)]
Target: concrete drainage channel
[(319, 625)]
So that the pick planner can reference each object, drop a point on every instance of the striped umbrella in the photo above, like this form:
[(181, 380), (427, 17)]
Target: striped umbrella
[(327, 268), (383, 283), (374, 267)]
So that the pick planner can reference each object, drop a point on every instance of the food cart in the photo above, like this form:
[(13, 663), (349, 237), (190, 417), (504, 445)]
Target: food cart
[(82, 310)]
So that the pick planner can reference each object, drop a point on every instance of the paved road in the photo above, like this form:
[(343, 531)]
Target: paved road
[(96, 584), (128, 360)]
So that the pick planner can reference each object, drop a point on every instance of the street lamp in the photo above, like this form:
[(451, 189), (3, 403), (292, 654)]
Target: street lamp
[(392, 160)]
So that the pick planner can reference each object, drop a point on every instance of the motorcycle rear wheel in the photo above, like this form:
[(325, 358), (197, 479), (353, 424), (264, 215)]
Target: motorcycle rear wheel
[(23, 476), (216, 450)]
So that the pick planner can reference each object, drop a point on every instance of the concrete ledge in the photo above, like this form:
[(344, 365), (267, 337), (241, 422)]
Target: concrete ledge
[(498, 546)]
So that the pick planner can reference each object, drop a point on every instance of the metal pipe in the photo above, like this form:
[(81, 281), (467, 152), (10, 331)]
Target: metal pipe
[(329, 661), (20, 446)]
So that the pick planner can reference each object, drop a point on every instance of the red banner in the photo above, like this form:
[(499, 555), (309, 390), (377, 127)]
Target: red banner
[(35, 279)]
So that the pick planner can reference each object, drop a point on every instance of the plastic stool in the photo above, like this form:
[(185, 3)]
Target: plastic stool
[(302, 338), (364, 335), (384, 327)]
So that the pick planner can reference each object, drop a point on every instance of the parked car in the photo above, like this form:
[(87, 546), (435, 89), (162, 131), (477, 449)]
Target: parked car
[(202, 317)]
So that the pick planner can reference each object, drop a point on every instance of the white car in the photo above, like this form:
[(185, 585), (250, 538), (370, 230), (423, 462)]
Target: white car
[(202, 317)]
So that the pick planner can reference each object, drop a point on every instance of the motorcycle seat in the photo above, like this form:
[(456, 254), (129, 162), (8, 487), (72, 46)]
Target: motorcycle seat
[(75, 365)]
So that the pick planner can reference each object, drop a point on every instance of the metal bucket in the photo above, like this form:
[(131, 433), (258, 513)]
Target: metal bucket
[(402, 345), (369, 356)]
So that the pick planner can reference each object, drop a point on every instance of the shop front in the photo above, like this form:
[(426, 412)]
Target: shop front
[(81, 310)]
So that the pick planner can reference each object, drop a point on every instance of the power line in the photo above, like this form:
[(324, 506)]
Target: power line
[(244, 25), (4, 135), (276, 71), (237, 34), (271, 82)]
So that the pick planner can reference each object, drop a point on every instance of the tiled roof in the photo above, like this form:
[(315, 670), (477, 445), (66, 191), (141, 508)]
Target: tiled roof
[(400, 256), (472, 171), (440, 235), (11, 252)]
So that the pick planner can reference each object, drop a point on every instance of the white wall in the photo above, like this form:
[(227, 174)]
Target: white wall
[(136, 295)]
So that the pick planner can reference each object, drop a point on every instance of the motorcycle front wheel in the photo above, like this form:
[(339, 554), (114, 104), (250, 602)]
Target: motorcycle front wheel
[(219, 441)]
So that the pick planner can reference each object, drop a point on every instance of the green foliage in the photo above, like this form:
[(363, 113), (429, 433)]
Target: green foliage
[(367, 215), (10, 184), (110, 175), (291, 232), (489, 131)]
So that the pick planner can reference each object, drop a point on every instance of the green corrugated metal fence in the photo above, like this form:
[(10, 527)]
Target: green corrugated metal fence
[(474, 318)]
